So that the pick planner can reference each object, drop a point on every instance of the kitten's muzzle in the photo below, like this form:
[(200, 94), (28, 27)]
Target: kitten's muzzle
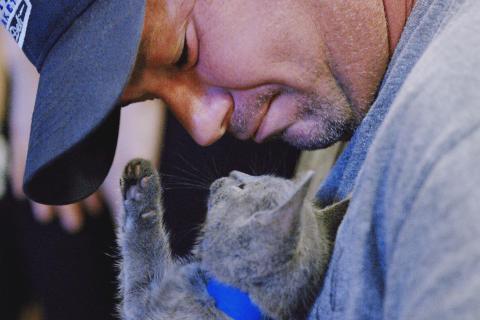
[(216, 188), (217, 184), (236, 178)]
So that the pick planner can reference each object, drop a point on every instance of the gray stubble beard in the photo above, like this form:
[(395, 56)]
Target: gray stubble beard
[(328, 122)]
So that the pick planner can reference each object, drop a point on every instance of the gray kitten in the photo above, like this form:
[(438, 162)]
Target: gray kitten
[(256, 238)]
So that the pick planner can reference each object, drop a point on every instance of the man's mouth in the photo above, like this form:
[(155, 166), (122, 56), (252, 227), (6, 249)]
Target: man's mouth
[(246, 121), (261, 120), (279, 116)]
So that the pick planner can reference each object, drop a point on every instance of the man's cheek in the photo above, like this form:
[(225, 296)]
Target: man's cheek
[(230, 71)]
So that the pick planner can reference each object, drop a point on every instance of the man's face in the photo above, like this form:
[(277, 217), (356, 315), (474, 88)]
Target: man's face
[(306, 71)]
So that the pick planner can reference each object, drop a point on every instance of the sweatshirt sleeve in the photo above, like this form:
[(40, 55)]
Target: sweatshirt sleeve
[(433, 268)]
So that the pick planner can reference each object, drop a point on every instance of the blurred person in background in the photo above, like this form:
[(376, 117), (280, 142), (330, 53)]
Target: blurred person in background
[(3, 102), (61, 257)]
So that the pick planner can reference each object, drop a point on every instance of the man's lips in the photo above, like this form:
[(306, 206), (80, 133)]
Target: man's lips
[(280, 115), (253, 119)]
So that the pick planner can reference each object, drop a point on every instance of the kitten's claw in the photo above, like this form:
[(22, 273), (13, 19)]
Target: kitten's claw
[(140, 187), (149, 215), (144, 181)]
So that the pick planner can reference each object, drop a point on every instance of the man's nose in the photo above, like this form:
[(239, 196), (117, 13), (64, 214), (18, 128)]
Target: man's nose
[(205, 115)]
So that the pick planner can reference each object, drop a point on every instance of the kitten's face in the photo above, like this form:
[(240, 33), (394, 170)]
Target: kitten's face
[(239, 196), (252, 226)]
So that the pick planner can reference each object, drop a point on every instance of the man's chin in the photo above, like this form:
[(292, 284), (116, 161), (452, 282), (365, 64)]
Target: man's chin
[(315, 137), (307, 144)]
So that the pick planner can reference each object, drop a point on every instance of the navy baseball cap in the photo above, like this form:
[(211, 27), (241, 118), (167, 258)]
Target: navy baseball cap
[(85, 51)]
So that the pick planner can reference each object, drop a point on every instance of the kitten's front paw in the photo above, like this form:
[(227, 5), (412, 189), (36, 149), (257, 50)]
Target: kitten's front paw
[(141, 191)]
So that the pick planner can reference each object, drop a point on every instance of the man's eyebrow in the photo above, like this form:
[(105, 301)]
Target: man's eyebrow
[(182, 41)]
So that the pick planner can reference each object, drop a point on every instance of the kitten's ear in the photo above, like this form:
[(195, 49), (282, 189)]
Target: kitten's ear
[(286, 217)]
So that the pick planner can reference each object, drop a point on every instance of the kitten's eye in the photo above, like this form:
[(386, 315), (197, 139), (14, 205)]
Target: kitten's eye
[(241, 186), (183, 59)]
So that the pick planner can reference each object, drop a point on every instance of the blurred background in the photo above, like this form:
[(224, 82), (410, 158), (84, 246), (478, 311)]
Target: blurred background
[(60, 262)]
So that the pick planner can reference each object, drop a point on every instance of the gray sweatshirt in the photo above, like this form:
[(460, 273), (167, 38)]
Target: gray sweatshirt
[(409, 246)]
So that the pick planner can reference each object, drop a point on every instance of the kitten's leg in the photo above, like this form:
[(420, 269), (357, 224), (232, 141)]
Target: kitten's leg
[(143, 240)]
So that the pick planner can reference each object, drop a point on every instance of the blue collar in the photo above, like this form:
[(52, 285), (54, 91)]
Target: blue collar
[(233, 302)]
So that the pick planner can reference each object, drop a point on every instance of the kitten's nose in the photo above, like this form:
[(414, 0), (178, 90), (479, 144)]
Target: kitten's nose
[(240, 176)]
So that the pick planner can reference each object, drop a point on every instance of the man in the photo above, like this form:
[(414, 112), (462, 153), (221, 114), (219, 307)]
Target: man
[(311, 72)]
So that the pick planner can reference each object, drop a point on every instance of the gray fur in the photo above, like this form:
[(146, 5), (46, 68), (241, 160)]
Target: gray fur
[(258, 237)]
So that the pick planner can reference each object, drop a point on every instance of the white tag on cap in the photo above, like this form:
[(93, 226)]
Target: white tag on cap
[(14, 16)]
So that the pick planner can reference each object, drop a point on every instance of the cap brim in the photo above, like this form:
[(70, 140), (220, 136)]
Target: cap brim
[(76, 119)]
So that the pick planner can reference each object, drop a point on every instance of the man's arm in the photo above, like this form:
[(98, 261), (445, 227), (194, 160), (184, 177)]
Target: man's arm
[(434, 258)]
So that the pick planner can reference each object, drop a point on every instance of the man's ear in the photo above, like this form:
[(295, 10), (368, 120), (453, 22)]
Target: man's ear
[(286, 218)]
